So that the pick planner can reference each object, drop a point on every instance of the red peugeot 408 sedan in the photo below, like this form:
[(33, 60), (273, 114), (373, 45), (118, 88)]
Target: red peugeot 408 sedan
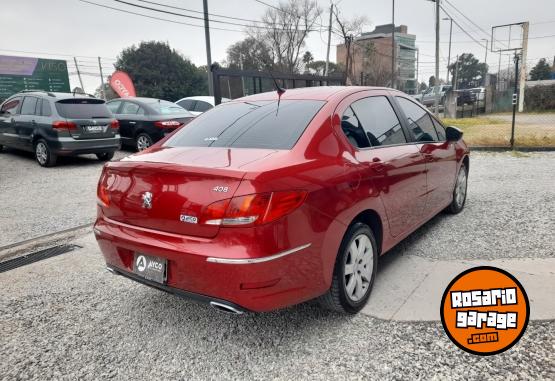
[(263, 203)]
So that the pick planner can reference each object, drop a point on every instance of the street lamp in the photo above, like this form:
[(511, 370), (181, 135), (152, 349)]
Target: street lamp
[(450, 36)]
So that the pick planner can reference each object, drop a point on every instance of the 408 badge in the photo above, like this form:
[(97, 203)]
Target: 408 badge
[(485, 310)]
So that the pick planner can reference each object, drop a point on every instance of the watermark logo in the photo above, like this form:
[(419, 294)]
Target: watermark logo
[(485, 310)]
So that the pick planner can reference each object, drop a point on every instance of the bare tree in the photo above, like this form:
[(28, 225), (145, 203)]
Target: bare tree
[(348, 29), (286, 28), (377, 71)]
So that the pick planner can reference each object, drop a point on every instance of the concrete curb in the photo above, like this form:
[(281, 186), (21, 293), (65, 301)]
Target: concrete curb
[(409, 288)]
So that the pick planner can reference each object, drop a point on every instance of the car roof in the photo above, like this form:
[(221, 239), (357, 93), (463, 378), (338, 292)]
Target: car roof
[(321, 93), (56, 95), (204, 98)]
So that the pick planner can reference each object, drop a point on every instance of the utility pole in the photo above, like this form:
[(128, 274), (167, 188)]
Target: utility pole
[(455, 85), (208, 53), (486, 82), (436, 87), (102, 92), (393, 49), (79, 74), (348, 40), (449, 56), (515, 101), (525, 28), (329, 42)]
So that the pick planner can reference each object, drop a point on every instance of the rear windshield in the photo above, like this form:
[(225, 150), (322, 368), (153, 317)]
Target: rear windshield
[(167, 108), (249, 125), (83, 109)]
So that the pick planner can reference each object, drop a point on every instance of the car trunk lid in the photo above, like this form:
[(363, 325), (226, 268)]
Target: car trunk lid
[(156, 190), (91, 117)]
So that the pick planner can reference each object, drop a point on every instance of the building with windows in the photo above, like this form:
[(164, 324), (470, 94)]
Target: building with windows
[(370, 58)]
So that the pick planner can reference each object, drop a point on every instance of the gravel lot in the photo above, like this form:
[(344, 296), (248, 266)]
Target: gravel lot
[(37, 201), (509, 212), (78, 327)]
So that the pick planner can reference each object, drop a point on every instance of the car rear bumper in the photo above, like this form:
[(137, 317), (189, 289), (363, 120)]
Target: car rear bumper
[(219, 269), (70, 146)]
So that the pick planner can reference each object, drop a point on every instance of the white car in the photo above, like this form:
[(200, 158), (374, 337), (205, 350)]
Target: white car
[(198, 105)]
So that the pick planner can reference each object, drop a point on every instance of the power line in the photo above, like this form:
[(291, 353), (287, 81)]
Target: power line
[(54, 54), (156, 18)]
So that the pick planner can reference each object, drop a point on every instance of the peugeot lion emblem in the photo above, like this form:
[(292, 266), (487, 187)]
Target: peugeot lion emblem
[(147, 200)]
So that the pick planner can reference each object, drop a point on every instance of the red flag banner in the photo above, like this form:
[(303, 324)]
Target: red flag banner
[(122, 84)]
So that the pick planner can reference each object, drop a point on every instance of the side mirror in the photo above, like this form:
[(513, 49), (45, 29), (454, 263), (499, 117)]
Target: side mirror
[(453, 134)]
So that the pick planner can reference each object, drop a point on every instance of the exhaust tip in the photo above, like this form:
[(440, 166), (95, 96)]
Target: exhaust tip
[(225, 308), (111, 271)]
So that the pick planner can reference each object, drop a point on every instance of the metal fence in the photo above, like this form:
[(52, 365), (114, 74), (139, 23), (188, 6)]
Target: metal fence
[(234, 83)]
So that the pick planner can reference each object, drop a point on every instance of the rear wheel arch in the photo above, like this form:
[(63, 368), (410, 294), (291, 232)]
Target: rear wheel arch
[(374, 221)]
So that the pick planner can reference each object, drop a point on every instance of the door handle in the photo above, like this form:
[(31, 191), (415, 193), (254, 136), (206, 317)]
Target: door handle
[(132, 122)]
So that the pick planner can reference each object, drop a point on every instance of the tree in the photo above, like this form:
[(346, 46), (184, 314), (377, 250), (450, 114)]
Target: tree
[(423, 87), (286, 28), (250, 54), (307, 58), (348, 29), (432, 81), (158, 71), (470, 73), (377, 72), (320, 66), (108, 91), (541, 71)]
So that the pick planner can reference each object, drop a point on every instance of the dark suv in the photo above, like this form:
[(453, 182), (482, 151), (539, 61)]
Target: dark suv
[(56, 124)]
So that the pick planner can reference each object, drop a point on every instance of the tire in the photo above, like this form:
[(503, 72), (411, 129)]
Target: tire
[(44, 155), (343, 296), (1, 148), (105, 156), (459, 193), (142, 142)]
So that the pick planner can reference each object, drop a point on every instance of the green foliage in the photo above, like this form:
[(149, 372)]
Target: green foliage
[(471, 72), (540, 98), (320, 66), (541, 71), (251, 54), (158, 71), (307, 58)]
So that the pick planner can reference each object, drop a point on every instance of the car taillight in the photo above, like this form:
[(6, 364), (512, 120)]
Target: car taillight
[(252, 209), (64, 125), (167, 124), (114, 124), (102, 193)]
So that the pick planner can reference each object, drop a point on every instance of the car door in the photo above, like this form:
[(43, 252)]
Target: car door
[(439, 154), (389, 162), (127, 118), (26, 122), (9, 112)]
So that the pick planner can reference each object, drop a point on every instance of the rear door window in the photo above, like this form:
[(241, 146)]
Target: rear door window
[(258, 124), (113, 106), (38, 107), (420, 122), (187, 104), (28, 106), (202, 106), (129, 108), (380, 123), (45, 108), (83, 109)]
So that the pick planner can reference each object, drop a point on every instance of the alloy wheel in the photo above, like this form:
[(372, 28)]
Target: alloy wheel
[(143, 142), (460, 189), (359, 265), (41, 152)]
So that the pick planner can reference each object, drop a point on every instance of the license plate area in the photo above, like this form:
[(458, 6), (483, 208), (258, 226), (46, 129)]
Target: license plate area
[(94, 129), (150, 267)]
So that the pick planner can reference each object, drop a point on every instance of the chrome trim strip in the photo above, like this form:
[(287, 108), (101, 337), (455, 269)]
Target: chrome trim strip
[(249, 261), (225, 308)]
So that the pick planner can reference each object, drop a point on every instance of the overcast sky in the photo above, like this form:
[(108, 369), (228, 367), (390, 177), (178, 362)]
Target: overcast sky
[(64, 28)]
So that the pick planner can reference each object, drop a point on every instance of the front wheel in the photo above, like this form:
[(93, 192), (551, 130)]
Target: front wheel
[(354, 272), (459, 193), (44, 155), (143, 141), (105, 156)]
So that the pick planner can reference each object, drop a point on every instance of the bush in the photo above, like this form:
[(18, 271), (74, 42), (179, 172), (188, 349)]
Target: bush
[(539, 98)]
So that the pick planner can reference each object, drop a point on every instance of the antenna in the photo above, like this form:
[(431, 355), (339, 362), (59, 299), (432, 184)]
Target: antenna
[(280, 90)]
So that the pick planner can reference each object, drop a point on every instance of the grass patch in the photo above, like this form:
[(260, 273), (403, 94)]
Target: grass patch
[(464, 122)]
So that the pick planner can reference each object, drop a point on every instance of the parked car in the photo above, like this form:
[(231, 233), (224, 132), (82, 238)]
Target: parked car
[(465, 97), (144, 121), (260, 204), (480, 93), (58, 124), (198, 105), (428, 97)]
